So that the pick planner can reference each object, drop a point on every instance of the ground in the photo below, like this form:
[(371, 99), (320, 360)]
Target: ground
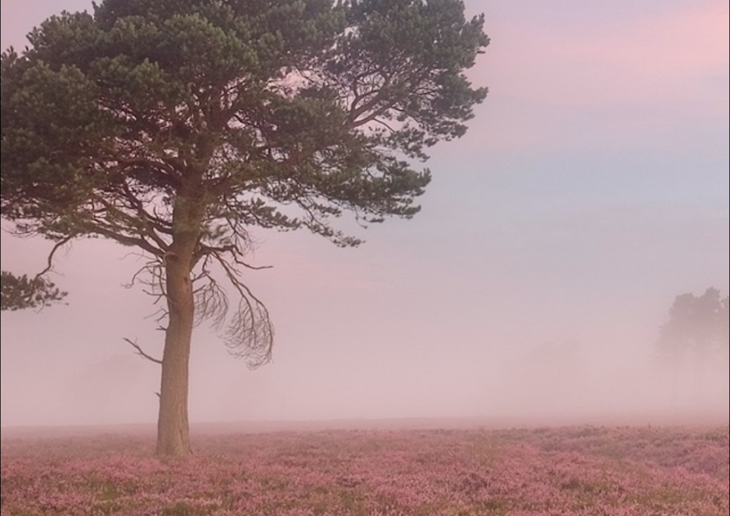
[(539, 471)]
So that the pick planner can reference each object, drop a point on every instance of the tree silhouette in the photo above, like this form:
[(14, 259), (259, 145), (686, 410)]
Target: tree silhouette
[(176, 126), (697, 328)]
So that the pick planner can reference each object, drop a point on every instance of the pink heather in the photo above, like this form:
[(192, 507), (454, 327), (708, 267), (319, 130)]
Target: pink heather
[(539, 472)]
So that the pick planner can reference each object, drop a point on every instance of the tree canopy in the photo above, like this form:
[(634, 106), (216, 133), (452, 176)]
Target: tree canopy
[(177, 126)]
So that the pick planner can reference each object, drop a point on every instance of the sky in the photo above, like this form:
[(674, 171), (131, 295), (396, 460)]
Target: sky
[(591, 189)]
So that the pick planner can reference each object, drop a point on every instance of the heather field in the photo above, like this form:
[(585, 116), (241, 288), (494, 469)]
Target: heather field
[(569, 471)]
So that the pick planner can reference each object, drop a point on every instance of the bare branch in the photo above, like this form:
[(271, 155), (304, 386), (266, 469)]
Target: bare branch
[(126, 240), (234, 250), (155, 284), (154, 223), (55, 248), (140, 352)]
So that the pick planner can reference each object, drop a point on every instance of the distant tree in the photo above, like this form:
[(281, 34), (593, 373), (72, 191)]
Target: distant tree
[(21, 292), (696, 323), (175, 126), (698, 326)]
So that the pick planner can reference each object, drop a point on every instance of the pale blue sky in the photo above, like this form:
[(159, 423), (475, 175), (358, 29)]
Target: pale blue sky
[(591, 189)]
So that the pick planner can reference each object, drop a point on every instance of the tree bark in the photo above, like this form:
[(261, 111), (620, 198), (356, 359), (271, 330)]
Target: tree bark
[(173, 435)]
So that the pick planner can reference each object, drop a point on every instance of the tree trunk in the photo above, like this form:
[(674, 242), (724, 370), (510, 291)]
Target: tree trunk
[(173, 435)]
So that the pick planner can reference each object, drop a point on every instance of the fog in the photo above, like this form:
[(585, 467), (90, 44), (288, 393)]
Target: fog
[(591, 189), (357, 353)]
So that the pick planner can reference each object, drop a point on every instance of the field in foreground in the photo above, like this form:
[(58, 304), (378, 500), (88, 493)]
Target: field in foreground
[(570, 471)]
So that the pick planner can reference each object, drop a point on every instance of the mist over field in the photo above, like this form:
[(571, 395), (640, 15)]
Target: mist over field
[(590, 190), (345, 358)]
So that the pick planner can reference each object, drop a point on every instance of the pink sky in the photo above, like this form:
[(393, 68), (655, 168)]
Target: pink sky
[(591, 189)]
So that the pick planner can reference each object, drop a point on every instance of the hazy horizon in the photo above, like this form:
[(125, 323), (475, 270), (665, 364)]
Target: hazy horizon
[(590, 190)]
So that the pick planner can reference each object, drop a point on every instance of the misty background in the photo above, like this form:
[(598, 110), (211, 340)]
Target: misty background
[(591, 189)]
